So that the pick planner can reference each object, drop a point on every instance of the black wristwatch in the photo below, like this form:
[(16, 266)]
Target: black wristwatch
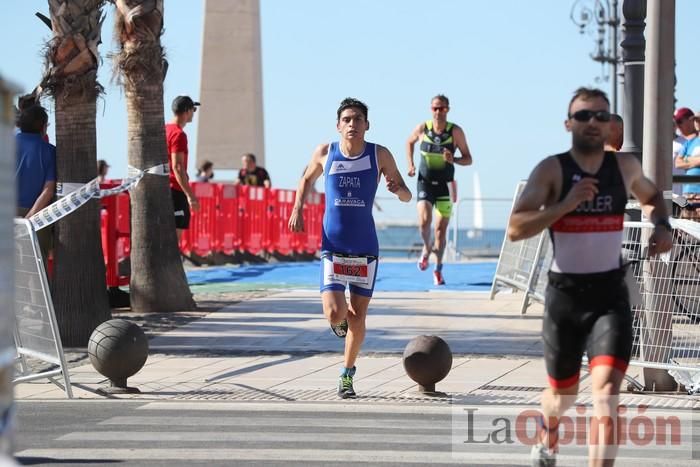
[(664, 223)]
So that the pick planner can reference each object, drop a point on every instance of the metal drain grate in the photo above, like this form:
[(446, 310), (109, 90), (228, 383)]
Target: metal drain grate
[(486, 395), (491, 387), (316, 395)]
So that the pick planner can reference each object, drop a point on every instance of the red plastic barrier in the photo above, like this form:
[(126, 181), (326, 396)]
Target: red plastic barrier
[(231, 218), (116, 245), (200, 237), (313, 222), (228, 223), (109, 242), (309, 241), (123, 227), (253, 209), (280, 205)]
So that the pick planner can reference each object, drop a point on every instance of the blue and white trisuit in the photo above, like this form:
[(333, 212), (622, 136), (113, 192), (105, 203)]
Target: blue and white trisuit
[(349, 248)]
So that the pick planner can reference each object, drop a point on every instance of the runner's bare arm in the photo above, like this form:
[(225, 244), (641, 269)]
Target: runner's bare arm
[(410, 143), (461, 143), (394, 181), (180, 172), (44, 199), (313, 170), (529, 217)]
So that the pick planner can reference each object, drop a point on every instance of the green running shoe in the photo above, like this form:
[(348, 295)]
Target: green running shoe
[(345, 389)]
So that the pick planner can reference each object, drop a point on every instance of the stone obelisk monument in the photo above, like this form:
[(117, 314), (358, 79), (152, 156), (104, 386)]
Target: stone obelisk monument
[(231, 117)]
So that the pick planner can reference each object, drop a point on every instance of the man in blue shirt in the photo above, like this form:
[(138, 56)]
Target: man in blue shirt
[(35, 174)]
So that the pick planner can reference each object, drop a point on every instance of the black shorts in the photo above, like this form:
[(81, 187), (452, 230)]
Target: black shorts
[(182, 209), (588, 312), (436, 193)]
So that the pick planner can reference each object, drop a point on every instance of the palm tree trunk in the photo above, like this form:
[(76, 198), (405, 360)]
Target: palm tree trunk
[(158, 281), (78, 287)]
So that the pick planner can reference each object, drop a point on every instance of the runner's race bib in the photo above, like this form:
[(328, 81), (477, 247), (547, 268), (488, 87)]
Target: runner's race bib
[(350, 269)]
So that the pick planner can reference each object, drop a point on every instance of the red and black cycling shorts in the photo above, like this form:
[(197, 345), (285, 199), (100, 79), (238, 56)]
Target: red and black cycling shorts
[(586, 312)]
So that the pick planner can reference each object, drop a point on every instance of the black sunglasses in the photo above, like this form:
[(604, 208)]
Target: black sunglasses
[(586, 115)]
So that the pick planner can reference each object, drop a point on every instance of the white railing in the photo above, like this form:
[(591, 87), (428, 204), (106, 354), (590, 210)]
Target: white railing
[(36, 329), (667, 309), (463, 239)]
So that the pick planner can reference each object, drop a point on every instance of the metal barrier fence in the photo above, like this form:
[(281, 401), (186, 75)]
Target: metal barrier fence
[(666, 330), (36, 330), (665, 290), (667, 312), (520, 264)]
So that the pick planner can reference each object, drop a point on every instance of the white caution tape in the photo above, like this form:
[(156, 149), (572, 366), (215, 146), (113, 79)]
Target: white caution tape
[(73, 199), (162, 169), (65, 205), (64, 188)]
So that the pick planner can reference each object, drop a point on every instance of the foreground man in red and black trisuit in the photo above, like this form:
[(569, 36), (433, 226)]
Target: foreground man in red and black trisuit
[(580, 196)]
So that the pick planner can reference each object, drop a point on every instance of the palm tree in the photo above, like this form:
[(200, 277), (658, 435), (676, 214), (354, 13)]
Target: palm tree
[(158, 281), (78, 286)]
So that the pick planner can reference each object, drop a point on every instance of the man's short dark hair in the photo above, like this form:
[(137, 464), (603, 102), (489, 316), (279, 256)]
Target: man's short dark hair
[(102, 166), (352, 103), (24, 102), (250, 156), (206, 165), (32, 119), (443, 98), (587, 94)]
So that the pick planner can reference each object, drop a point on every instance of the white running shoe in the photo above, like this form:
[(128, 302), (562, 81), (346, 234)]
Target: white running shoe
[(541, 456)]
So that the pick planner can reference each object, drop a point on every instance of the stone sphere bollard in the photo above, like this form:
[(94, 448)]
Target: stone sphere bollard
[(427, 360), (118, 349)]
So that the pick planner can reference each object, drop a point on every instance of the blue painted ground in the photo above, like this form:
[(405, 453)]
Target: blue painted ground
[(393, 277)]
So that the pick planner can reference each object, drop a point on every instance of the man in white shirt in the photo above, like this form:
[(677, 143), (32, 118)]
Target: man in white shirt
[(684, 118)]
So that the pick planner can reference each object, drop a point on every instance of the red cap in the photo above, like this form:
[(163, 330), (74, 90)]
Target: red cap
[(682, 113)]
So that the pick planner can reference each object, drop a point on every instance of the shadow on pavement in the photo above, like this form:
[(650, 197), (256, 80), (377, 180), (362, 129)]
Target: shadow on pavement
[(49, 460)]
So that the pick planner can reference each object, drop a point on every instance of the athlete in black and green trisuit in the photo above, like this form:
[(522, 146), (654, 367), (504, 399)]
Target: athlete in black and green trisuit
[(438, 141)]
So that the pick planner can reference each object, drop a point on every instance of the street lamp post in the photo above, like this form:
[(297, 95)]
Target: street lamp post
[(633, 47), (657, 334), (601, 17)]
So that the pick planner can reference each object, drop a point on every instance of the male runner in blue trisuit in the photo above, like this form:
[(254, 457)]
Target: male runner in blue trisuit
[(349, 250)]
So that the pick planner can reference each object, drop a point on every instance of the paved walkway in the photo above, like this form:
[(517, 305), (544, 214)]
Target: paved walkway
[(280, 348)]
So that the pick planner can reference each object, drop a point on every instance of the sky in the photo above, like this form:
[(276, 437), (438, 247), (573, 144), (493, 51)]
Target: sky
[(508, 67)]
